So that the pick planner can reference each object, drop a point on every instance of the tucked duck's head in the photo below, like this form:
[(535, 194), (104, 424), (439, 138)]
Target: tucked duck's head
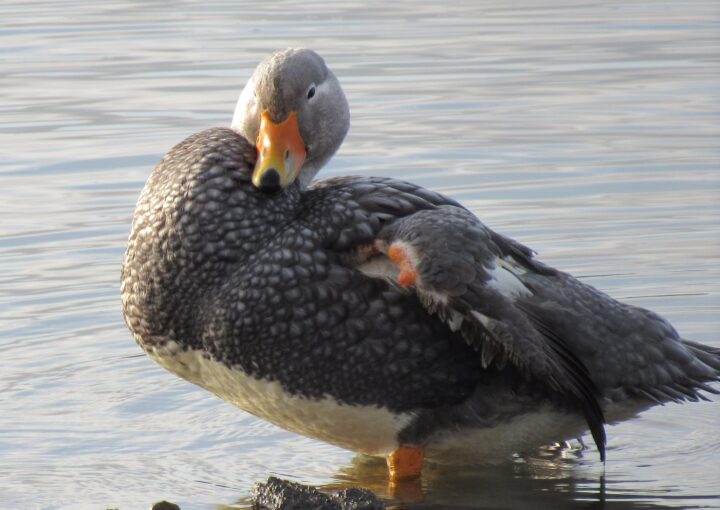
[(295, 110)]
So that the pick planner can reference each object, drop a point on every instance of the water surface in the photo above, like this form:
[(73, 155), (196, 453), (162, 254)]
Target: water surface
[(587, 130)]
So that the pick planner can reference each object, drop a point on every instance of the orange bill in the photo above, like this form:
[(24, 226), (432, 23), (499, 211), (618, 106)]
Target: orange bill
[(280, 148)]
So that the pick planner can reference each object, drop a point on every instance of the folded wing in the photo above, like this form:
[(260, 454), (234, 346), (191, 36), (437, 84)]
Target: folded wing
[(470, 277)]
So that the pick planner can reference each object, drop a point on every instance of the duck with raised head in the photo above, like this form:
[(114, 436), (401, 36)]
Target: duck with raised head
[(369, 312)]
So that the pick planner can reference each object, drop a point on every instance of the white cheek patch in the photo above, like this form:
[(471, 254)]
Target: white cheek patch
[(503, 278), (246, 108), (321, 89)]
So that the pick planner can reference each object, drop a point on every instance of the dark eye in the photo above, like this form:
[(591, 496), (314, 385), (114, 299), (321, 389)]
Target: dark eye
[(311, 92)]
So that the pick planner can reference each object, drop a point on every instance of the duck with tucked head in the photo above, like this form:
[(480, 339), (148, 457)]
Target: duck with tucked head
[(369, 312)]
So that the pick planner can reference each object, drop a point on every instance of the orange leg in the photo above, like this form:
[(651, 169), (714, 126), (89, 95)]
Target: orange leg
[(400, 258), (405, 463)]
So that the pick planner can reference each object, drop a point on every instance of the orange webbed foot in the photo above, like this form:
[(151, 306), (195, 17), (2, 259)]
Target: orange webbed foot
[(405, 463)]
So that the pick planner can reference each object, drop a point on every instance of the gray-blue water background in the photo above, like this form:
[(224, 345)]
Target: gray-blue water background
[(589, 130)]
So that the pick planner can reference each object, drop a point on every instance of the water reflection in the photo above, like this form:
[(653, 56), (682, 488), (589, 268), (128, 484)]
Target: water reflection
[(558, 477)]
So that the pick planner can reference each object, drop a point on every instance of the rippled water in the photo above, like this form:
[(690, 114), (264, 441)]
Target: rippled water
[(588, 130)]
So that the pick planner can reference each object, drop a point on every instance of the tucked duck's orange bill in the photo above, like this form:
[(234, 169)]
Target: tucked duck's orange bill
[(281, 148)]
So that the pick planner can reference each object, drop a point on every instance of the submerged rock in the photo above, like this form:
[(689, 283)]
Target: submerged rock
[(165, 505), (277, 494)]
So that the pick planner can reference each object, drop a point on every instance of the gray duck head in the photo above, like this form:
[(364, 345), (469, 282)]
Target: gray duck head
[(295, 110)]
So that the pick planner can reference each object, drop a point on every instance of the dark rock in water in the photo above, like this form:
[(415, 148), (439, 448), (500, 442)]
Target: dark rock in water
[(358, 499), (165, 505), (277, 494)]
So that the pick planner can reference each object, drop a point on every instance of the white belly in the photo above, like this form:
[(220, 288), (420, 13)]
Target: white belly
[(521, 434), (497, 444), (367, 429)]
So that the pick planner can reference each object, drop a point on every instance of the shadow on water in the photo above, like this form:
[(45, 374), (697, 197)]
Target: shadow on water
[(556, 477)]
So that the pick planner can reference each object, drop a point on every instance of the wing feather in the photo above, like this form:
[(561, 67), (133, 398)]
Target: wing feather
[(458, 271), (512, 308)]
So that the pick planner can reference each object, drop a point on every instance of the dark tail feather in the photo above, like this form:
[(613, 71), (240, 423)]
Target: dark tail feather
[(708, 355), (699, 376)]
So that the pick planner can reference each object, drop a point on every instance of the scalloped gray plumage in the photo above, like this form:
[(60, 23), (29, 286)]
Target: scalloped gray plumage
[(272, 293)]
